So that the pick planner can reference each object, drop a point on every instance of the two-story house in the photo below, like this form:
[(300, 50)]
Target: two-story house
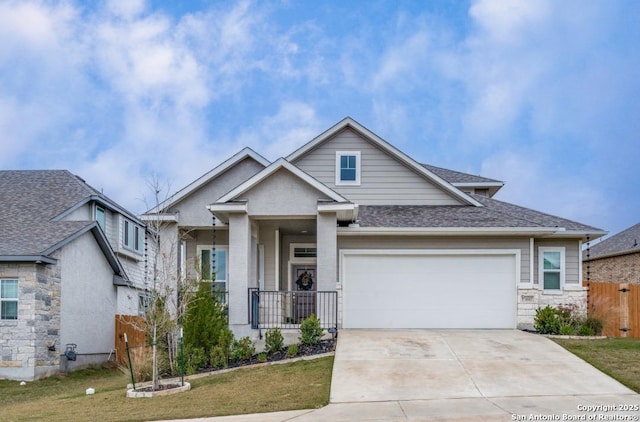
[(70, 260), (354, 230)]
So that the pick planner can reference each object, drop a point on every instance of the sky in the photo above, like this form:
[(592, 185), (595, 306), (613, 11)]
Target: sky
[(541, 94)]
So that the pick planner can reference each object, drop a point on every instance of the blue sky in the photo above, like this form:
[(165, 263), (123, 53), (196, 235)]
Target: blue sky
[(544, 95)]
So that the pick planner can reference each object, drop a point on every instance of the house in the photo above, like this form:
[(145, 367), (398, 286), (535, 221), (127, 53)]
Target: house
[(352, 229), (615, 259), (70, 260)]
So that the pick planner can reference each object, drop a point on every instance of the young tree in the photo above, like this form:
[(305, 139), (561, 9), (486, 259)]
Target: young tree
[(169, 290)]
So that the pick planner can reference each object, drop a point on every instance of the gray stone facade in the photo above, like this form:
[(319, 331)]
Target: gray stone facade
[(24, 343)]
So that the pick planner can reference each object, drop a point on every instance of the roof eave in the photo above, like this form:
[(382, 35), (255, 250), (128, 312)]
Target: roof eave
[(38, 259), (449, 231), (208, 176)]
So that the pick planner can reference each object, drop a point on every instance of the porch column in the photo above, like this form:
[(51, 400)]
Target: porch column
[(327, 252), (239, 258), (327, 264)]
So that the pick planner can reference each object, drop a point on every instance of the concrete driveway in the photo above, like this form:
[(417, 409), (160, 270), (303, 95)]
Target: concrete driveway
[(460, 375)]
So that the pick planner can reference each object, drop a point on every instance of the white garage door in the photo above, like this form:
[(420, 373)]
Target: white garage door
[(429, 289)]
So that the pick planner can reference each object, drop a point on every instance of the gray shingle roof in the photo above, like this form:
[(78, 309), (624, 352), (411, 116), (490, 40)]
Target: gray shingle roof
[(453, 176), (627, 241), (493, 214), (29, 200)]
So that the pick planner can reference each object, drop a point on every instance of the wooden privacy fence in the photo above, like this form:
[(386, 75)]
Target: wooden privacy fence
[(618, 305), (134, 327)]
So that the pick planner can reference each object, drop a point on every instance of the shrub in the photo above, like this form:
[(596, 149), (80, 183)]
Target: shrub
[(310, 330), (595, 323), (141, 364), (292, 350), (567, 329), (205, 320), (546, 320), (262, 357), (585, 330), (242, 349), (219, 357), (273, 340), (196, 359)]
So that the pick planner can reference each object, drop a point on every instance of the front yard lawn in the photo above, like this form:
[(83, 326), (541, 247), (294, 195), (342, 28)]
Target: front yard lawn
[(616, 357), (297, 385)]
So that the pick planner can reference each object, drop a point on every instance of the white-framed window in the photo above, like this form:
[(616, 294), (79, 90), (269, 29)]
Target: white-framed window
[(551, 268), (214, 266), (348, 168), (132, 236), (101, 218), (8, 299)]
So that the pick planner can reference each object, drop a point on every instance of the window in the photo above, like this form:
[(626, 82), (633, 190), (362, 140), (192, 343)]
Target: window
[(143, 304), (8, 299), (101, 218), (348, 168), (552, 268), (214, 266), (132, 236)]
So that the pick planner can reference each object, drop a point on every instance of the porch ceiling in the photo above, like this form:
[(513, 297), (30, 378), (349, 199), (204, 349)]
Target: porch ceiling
[(295, 227)]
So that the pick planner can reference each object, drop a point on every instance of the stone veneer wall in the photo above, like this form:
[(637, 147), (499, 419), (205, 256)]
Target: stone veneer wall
[(24, 342), (615, 269), (531, 299)]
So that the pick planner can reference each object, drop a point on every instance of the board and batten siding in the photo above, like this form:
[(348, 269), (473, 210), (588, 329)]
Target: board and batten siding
[(383, 179), (440, 243)]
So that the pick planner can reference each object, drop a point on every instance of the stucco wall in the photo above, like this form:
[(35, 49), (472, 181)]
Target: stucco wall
[(89, 299), (615, 269)]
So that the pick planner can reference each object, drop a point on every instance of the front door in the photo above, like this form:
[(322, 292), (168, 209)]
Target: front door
[(304, 291)]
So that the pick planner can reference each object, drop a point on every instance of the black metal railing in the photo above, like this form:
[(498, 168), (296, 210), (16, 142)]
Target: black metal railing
[(286, 309)]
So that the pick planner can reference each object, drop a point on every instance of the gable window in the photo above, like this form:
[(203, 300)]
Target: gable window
[(348, 168), (214, 264), (8, 299), (551, 268), (101, 218), (132, 236)]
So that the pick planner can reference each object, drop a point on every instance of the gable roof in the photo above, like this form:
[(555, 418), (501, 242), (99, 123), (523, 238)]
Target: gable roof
[(348, 122), (461, 180), (32, 203), (623, 243), (206, 178), (281, 163), (494, 216)]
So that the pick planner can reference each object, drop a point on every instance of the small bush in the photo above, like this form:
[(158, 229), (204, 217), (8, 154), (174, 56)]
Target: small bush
[(273, 340), (196, 359), (141, 363), (595, 323), (546, 320), (242, 349), (310, 331), (262, 357), (584, 330), (567, 329), (219, 358), (292, 350)]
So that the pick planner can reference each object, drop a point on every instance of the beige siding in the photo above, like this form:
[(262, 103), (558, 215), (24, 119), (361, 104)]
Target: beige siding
[(572, 258), (193, 209), (419, 242), (384, 180)]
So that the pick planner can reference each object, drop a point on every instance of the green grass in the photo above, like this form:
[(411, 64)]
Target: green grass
[(298, 385), (616, 357)]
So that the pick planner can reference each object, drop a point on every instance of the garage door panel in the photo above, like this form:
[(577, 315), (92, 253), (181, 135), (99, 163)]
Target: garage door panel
[(429, 291)]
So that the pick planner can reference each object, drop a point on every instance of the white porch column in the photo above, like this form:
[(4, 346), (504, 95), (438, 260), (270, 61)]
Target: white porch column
[(239, 252), (327, 265)]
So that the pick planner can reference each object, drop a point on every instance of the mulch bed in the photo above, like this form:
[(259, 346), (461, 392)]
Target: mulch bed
[(325, 346)]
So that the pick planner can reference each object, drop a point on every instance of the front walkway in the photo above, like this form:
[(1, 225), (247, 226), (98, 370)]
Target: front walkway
[(458, 375)]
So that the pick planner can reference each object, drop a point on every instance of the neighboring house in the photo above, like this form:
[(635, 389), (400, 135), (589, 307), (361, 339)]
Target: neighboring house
[(615, 259), (354, 230), (70, 260)]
